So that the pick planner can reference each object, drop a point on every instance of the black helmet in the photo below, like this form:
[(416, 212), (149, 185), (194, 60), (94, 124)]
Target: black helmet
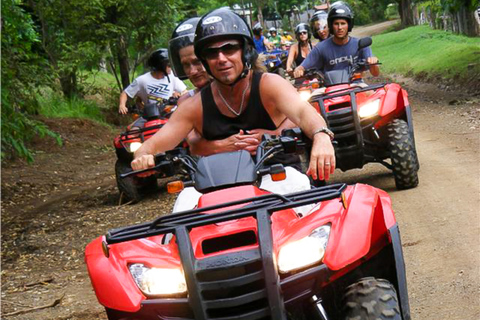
[(320, 16), (340, 10), (257, 29), (158, 60), (300, 28), (222, 24), (182, 37)]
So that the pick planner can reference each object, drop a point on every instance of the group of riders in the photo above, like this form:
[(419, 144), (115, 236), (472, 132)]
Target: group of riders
[(234, 102)]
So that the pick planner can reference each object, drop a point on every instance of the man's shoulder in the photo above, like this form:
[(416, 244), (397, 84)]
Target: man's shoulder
[(325, 43), (143, 78)]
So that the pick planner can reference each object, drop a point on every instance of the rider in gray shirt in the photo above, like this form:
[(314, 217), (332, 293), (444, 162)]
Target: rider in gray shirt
[(339, 51)]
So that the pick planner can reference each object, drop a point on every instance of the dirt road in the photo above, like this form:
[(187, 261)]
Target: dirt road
[(53, 208)]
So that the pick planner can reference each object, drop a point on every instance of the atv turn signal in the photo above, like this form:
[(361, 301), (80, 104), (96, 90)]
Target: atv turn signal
[(175, 186), (277, 172)]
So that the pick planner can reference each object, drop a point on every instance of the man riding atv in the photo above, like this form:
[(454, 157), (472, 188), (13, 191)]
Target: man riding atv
[(261, 43), (239, 99), (155, 86), (339, 51)]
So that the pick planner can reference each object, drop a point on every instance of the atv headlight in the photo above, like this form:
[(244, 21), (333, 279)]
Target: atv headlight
[(157, 281), (369, 109), (305, 95), (272, 64), (133, 146), (304, 252)]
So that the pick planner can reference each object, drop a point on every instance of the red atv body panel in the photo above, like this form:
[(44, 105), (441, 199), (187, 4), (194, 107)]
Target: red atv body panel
[(354, 231)]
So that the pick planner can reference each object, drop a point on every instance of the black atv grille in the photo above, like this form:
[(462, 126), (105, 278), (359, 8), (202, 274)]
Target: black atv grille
[(234, 289), (343, 120), (242, 285)]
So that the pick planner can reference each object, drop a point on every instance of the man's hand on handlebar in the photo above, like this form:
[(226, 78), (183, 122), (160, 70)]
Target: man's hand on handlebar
[(298, 72), (144, 162)]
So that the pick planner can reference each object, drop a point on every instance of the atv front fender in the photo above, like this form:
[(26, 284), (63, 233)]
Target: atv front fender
[(363, 224), (111, 280), (113, 284)]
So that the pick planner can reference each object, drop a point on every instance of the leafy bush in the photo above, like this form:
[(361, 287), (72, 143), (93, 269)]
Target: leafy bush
[(17, 129)]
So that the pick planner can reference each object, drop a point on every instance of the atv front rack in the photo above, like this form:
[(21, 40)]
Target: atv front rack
[(198, 217), (251, 271), (139, 133)]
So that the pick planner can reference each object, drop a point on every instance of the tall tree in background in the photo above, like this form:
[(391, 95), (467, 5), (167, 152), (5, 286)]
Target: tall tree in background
[(134, 27)]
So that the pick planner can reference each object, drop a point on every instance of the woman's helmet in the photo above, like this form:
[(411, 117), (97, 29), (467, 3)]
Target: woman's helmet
[(221, 24), (318, 22), (158, 60), (182, 37), (272, 29), (285, 33), (340, 10), (302, 27), (257, 29)]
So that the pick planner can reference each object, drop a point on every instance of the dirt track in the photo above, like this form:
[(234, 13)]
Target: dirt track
[(52, 209)]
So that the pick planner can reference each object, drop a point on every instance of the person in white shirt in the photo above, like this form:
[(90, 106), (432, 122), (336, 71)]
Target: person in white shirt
[(155, 86)]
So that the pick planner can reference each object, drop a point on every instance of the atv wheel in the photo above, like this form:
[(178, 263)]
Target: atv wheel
[(130, 186), (281, 72), (371, 299), (403, 155)]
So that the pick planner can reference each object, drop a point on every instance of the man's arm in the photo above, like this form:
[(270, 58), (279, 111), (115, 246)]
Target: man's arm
[(168, 137), (122, 105), (375, 69), (281, 97)]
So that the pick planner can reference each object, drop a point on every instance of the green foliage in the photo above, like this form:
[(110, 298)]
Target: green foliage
[(22, 73), (391, 12), (368, 11), (421, 50), (17, 129), (54, 106)]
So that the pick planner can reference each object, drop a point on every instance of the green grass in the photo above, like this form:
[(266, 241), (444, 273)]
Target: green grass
[(54, 106), (101, 80), (422, 51)]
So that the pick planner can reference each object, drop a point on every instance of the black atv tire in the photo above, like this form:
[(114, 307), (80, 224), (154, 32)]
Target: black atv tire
[(281, 72), (131, 186), (371, 299), (403, 155)]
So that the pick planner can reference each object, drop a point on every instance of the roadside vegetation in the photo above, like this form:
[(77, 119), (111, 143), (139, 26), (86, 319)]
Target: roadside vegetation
[(422, 52)]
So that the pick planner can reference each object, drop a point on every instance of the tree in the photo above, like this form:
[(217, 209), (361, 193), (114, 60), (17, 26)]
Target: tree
[(23, 73)]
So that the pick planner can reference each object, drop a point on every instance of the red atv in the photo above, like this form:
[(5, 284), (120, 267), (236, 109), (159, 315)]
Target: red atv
[(155, 115), (245, 253), (371, 123)]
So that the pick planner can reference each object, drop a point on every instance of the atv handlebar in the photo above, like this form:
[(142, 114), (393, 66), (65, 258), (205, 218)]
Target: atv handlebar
[(290, 141)]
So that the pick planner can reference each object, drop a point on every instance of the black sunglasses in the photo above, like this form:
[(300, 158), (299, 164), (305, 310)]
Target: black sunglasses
[(303, 32), (227, 49)]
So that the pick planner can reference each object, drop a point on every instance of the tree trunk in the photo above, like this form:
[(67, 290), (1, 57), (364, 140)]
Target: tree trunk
[(472, 28), (68, 82), (406, 13), (260, 15), (122, 57)]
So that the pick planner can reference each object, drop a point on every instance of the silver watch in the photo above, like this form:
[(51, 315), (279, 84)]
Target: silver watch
[(324, 130)]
